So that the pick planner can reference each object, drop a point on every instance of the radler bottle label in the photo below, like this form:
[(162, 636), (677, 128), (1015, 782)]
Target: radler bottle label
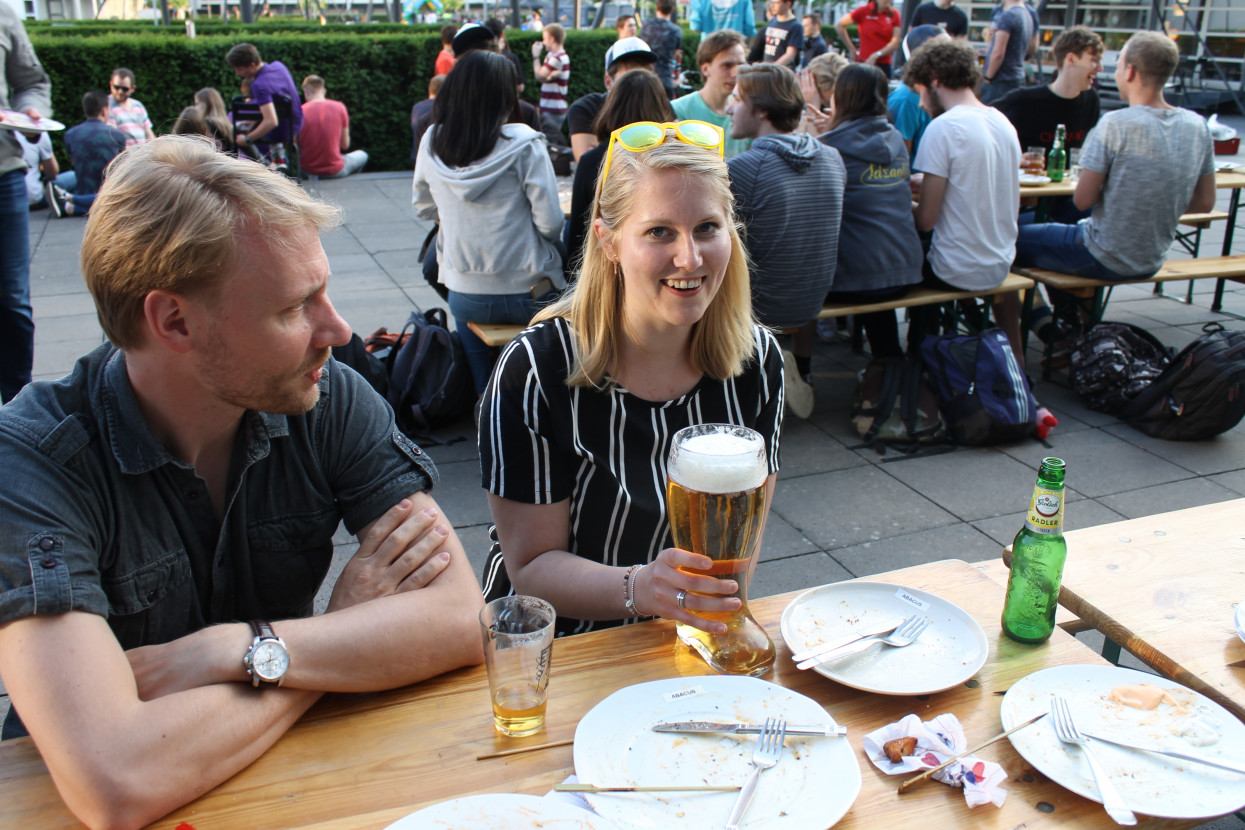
[(1045, 511)]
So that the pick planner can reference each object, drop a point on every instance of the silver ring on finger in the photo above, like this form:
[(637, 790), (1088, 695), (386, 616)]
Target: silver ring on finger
[(679, 599)]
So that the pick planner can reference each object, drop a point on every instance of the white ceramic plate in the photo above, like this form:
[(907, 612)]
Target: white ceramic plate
[(1153, 785), (951, 650), (812, 786), (13, 120), (502, 811), (1238, 620), (1031, 180)]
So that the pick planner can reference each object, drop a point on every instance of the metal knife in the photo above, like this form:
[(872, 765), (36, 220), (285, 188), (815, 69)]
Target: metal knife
[(847, 639), (746, 728), (1210, 760)]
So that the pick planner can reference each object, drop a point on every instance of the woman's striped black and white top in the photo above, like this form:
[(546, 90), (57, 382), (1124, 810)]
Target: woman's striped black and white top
[(605, 450)]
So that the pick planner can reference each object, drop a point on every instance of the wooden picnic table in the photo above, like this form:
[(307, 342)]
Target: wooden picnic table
[(363, 761), (1165, 587)]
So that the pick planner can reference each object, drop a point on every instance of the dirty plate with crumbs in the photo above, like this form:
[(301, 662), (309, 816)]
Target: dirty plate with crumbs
[(1151, 784), (503, 811), (949, 652), (811, 788)]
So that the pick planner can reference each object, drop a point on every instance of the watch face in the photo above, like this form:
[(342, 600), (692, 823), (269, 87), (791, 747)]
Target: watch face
[(270, 661)]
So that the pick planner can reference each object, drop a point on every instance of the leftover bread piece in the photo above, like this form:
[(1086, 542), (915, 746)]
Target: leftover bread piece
[(899, 748)]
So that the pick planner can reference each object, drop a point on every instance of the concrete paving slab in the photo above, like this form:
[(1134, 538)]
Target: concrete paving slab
[(1174, 495), (459, 493), (475, 541), (59, 305), (403, 267), (1234, 481), (782, 540), (1102, 463), (861, 504), (1079, 512), (75, 327), (367, 311), (1220, 454), (970, 483), (958, 541), (795, 573), (808, 449), (55, 359)]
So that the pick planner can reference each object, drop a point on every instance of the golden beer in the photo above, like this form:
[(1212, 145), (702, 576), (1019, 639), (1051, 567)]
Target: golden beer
[(715, 500), (519, 710)]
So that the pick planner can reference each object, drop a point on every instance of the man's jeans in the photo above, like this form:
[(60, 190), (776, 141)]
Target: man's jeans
[(17, 325), (68, 181), (1061, 248), (487, 308)]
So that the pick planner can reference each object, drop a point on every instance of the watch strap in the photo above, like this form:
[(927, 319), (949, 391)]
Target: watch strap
[(263, 631)]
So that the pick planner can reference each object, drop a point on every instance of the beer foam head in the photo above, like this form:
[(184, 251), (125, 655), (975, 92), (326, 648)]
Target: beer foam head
[(731, 460)]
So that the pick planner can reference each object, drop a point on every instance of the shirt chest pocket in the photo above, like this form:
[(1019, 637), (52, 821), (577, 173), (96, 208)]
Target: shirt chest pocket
[(290, 557), (153, 602)]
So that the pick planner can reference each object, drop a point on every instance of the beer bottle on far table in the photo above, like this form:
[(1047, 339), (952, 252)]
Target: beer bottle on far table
[(1038, 554), (1057, 159)]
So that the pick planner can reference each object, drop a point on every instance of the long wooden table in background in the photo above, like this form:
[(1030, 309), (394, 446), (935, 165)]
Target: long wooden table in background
[(1165, 587), (363, 761)]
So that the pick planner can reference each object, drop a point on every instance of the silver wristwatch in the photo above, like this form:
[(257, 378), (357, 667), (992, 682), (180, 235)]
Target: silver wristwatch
[(267, 660)]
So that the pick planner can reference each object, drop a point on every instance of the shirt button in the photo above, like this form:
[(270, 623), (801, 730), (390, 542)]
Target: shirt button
[(48, 562), (46, 543), (192, 495)]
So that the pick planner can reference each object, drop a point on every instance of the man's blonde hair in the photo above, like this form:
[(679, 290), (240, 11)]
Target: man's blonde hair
[(722, 341), (1153, 55), (169, 217), (313, 83)]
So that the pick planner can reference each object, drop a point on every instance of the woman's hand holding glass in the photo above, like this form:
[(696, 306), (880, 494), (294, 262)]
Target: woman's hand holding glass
[(659, 583)]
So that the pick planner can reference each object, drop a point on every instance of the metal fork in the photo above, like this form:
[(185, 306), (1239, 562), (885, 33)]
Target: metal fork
[(1067, 732), (905, 635), (768, 751)]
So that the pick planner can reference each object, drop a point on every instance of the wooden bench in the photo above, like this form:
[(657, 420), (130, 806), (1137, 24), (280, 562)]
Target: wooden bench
[(1098, 292), (500, 334), (1191, 240)]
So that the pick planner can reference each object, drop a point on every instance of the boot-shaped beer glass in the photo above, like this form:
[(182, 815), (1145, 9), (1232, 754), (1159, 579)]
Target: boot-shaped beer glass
[(715, 498)]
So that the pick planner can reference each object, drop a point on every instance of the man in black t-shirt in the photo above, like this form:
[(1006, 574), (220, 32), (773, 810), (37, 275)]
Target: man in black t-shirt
[(941, 13), (814, 43), (625, 55), (784, 36), (1070, 99)]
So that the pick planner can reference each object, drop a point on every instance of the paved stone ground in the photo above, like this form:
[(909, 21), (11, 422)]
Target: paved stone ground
[(838, 512)]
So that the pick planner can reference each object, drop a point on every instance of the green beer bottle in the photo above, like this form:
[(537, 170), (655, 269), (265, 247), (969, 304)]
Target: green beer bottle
[(1057, 159), (1038, 554)]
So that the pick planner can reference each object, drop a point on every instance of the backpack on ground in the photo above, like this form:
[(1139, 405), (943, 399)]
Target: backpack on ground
[(984, 394), (429, 382), (1112, 362), (895, 404), (1199, 395), (359, 357)]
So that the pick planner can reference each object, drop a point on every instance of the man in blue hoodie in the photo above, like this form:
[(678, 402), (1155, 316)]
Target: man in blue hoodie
[(789, 191)]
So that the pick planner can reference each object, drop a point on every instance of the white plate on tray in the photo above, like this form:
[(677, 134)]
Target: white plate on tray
[(1151, 784), (949, 652), (502, 811), (14, 120), (1238, 620), (1033, 180), (811, 788)]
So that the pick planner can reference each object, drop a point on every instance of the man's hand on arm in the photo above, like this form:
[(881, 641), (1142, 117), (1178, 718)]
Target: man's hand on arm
[(933, 189)]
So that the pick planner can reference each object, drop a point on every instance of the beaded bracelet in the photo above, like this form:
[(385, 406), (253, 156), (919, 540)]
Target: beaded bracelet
[(629, 590)]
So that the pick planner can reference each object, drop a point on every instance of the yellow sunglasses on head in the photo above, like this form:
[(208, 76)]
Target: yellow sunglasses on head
[(645, 135)]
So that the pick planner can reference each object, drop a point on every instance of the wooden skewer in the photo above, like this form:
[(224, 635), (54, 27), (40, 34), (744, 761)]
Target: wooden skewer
[(905, 785), (518, 750), (588, 788)]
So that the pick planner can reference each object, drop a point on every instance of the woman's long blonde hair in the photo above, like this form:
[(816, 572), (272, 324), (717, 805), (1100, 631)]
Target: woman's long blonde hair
[(722, 340)]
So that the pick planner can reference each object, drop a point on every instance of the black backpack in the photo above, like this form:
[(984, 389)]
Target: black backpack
[(429, 382), (1112, 362), (1199, 395), (895, 404)]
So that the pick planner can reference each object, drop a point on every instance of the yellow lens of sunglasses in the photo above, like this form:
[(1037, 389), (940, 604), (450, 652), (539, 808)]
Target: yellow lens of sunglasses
[(642, 136), (645, 135)]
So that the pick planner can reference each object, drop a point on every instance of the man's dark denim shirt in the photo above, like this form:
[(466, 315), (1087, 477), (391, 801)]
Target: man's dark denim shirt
[(97, 516)]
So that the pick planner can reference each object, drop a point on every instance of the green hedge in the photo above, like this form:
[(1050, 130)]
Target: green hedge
[(379, 77), (216, 26)]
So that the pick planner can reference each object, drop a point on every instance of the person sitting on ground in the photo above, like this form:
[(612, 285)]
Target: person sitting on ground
[(665, 38), (491, 186), (125, 112), (879, 251), (445, 58), (91, 145), (817, 86), (190, 121), (1142, 167), (212, 105), (814, 44), (655, 335), (719, 57), (554, 73), (421, 113), (215, 447), (625, 24), (784, 36), (879, 27), (789, 196), (622, 57), (635, 96), (41, 166), (268, 79), (324, 139), (970, 191), (903, 105)]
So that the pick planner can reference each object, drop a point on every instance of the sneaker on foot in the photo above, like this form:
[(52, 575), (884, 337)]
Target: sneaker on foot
[(1046, 421), (51, 194), (799, 392)]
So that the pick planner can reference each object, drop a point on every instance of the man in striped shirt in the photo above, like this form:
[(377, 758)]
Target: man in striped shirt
[(554, 74)]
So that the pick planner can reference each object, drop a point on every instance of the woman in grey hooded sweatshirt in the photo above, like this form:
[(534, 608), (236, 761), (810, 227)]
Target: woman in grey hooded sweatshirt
[(879, 251), (491, 186)]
